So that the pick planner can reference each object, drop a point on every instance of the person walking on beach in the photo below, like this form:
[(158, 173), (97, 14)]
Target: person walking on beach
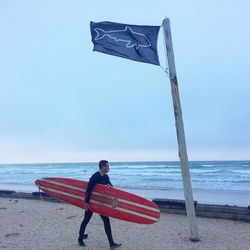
[(100, 177)]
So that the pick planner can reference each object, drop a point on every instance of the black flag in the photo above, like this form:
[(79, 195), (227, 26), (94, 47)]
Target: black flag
[(135, 42)]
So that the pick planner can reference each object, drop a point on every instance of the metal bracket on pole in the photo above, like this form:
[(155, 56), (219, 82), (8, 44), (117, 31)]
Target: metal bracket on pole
[(180, 134)]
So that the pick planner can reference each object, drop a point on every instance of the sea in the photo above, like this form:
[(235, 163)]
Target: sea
[(213, 182)]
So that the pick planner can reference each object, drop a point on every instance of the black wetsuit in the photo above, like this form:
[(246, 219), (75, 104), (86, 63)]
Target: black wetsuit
[(96, 178)]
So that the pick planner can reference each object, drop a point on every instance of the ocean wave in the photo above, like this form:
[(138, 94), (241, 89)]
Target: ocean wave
[(153, 175), (149, 168), (240, 171), (208, 165), (203, 171)]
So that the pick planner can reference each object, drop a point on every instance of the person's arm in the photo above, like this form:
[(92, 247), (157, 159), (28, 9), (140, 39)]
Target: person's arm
[(109, 182), (91, 184)]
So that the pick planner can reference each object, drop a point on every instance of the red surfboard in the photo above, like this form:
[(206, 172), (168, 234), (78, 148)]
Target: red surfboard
[(104, 200)]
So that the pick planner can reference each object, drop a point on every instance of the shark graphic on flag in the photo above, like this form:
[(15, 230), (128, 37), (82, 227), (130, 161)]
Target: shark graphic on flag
[(134, 42)]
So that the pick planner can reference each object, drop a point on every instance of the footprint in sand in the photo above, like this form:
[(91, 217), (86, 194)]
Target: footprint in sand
[(12, 235), (70, 217)]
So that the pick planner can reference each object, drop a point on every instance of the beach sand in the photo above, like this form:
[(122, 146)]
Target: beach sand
[(36, 224)]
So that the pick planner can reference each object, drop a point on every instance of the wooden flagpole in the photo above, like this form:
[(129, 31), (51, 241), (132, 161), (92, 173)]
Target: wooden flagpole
[(180, 134)]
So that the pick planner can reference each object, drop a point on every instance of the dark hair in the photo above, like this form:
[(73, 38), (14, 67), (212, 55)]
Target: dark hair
[(103, 163)]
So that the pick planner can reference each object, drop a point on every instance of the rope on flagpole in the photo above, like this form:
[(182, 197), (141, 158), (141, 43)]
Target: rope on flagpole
[(166, 70)]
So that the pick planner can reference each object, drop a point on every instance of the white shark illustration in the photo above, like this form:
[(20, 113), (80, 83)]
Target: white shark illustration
[(127, 35)]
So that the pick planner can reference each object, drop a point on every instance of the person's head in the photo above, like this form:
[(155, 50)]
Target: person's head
[(104, 166)]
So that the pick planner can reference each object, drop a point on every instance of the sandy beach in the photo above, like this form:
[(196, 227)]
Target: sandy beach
[(36, 224)]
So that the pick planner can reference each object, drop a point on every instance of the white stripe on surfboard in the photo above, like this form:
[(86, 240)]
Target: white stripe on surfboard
[(64, 193), (127, 211), (63, 185), (130, 202), (101, 204), (103, 195)]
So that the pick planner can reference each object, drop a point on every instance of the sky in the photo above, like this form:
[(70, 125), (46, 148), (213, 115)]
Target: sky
[(62, 102)]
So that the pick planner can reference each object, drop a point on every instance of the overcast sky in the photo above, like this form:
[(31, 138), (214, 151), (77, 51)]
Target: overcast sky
[(62, 102)]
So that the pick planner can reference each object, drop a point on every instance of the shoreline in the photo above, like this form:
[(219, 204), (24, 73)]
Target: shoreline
[(174, 206), (204, 196)]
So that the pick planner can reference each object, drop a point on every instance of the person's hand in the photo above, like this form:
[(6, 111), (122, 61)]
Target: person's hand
[(86, 206)]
